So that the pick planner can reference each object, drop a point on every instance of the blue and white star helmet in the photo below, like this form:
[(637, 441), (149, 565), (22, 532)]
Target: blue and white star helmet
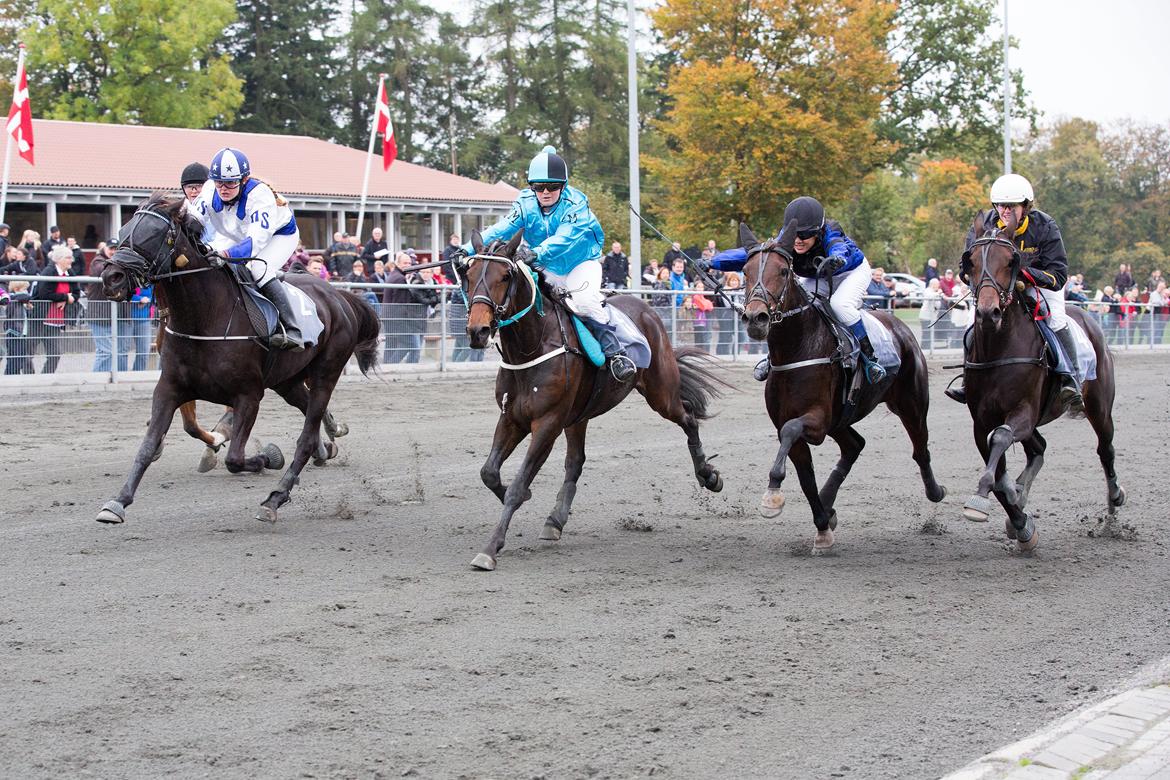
[(229, 165)]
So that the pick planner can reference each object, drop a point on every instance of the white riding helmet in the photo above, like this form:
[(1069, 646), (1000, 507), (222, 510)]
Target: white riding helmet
[(1011, 188)]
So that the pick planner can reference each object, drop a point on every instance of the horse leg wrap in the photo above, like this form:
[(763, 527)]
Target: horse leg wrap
[(1024, 532), (112, 512)]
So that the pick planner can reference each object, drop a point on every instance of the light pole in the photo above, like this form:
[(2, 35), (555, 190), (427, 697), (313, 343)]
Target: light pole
[(635, 192), (1007, 97)]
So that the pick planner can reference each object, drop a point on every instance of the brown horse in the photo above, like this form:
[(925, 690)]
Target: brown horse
[(1011, 392), (212, 351), (806, 388), (549, 387)]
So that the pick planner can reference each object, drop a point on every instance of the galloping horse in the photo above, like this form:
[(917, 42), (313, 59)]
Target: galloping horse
[(807, 385), (547, 387), (1011, 392), (213, 352)]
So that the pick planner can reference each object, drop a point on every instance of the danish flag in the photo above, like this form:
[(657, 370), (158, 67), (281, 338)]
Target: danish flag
[(384, 126), (20, 115)]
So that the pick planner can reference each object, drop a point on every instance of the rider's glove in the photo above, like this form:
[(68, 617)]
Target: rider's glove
[(527, 256)]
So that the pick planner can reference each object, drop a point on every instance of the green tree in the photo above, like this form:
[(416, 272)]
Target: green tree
[(289, 66), (1139, 155), (452, 100), (878, 217), (1142, 257), (132, 61), (951, 195)]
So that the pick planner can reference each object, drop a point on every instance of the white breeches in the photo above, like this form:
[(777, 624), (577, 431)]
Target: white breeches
[(848, 292), (1054, 301), (584, 284), (272, 257)]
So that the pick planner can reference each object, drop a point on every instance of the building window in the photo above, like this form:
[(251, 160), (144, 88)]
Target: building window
[(414, 231), (316, 229), (446, 227), (373, 220), (88, 224), (26, 216)]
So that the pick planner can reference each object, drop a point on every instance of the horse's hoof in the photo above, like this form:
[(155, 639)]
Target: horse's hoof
[(209, 461), (977, 509), (273, 457), (1120, 500), (772, 504), (833, 520), (1009, 529), (823, 542), (714, 482), (158, 453), (483, 562), (341, 430), (939, 496), (112, 513), (217, 440), (1029, 545), (266, 514), (550, 533)]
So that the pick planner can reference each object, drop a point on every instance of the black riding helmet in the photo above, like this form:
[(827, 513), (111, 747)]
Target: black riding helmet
[(808, 213), (195, 173)]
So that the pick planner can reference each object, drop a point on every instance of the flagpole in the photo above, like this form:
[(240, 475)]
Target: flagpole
[(369, 157), (8, 140)]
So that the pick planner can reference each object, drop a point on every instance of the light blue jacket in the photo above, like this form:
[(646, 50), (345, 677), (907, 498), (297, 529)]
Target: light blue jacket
[(562, 239)]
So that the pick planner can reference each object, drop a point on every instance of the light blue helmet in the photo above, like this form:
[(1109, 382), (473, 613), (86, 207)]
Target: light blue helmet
[(229, 165), (548, 166)]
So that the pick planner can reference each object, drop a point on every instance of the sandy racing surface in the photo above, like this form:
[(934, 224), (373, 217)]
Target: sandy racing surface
[(671, 632)]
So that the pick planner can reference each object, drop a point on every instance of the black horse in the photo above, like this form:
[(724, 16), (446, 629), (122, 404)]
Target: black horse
[(807, 385), (1011, 391), (213, 353), (547, 386)]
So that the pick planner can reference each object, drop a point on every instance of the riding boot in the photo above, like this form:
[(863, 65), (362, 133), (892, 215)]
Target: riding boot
[(762, 369), (620, 364), (1070, 393), (288, 336), (874, 373), (956, 393)]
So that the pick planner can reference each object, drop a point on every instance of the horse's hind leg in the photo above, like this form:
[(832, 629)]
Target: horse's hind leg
[(910, 400), (245, 410), (296, 393), (316, 400), (1034, 448), (334, 429), (801, 455), (544, 435), (851, 444), (670, 406), (574, 462), (162, 412), (1101, 418)]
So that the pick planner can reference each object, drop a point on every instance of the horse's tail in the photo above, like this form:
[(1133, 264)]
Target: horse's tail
[(369, 326), (699, 382)]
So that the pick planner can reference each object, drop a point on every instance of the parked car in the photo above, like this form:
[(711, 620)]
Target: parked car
[(911, 287)]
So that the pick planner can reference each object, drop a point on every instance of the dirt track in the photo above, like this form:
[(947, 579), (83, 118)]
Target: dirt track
[(671, 632)]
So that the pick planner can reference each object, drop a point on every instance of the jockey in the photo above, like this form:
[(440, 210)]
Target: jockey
[(565, 240), (254, 225), (1044, 260), (846, 273), (192, 179)]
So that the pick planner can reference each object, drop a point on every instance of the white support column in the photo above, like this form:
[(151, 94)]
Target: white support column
[(115, 222), (436, 241), (339, 216), (458, 228), (50, 216), (392, 233)]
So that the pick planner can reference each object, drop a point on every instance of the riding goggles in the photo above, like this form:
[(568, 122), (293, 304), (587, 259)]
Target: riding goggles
[(805, 235), (540, 186)]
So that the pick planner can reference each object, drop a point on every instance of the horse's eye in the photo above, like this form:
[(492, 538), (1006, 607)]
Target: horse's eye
[(783, 272)]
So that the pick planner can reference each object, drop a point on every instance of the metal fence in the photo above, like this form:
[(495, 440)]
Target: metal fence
[(109, 342)]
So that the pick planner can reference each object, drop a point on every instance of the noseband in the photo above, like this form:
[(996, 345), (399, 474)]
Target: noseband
[(758, 292), (1006, 294)]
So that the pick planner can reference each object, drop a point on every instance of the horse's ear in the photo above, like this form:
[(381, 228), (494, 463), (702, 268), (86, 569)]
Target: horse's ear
[(746, 237), (514, 244), (477, 242), (787, 238)]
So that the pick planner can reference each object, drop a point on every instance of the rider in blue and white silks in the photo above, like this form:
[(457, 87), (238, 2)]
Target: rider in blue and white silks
[(564, 240), (252, 224), (847, 274)]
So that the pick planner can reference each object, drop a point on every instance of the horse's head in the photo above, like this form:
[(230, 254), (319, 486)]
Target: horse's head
[(767, 277), (995, 268), (491, 275), (155, 237)]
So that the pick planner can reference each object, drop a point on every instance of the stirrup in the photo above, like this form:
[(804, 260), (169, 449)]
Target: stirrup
[(762, 370), (1071, 399), (956, 393), (285, 340), (621, 367), (874, 373)]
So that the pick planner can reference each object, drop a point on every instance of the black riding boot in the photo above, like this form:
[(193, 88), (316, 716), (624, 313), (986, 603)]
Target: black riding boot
[(620, 364), (1070, 392), (288, 336)]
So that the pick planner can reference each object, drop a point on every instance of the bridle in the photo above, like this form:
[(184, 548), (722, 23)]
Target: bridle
[(774, 304), (499, 309), (132, 257), (1006, 294)]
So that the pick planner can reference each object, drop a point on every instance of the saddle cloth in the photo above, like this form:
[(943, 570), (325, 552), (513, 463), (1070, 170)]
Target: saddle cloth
[(882, 340), (304, 312), (1086, 357), (631, 339)]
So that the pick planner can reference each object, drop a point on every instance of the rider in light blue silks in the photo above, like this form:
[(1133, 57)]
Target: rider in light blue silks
[(816, 239), (565, 241)]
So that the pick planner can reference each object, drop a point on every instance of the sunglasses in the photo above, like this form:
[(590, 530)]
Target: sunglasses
[(805, 235), (546, 187)]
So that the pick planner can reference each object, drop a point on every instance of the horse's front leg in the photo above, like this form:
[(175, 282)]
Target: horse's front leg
[(544, 435), (244, 412), (824, 519), (507, 437), (574, 462), (1034, 450), (162, 412), (851, 444), (772, 503)]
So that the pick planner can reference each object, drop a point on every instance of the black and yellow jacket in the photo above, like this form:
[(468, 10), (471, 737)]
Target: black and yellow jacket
[(1039, 243)]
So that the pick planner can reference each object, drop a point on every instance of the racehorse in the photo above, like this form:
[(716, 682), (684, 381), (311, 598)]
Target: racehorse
[(1011, 392), (213, 352), (808, 385), (546, 387)]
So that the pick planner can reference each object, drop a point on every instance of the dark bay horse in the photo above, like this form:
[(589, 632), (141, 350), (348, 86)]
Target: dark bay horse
[(1011, 392), (551, 388), (211, 351), (805, 392)]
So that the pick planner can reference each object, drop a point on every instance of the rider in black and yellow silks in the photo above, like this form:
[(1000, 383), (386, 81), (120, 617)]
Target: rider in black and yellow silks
[(1042, 260)]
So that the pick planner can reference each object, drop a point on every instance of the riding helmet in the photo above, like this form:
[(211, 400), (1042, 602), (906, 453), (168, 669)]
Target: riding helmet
[(195, 173), (229, 165), (548, 166), (808, 213), (1012, 188)]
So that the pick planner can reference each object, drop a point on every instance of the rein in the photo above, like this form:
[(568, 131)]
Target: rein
[(1006, 298), (498, 309)]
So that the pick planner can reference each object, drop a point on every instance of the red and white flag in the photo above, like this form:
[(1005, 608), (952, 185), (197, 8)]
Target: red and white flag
[(20, 115), (385, 127)]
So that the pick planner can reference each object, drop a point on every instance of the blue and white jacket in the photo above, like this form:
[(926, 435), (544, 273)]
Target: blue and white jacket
[(245, 227), (562, 239), (832, 242)]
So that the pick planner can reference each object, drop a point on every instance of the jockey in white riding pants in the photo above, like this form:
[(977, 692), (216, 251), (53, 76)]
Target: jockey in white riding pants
[(565, 241), (1044, 262), (253, 224), (844, 274)]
